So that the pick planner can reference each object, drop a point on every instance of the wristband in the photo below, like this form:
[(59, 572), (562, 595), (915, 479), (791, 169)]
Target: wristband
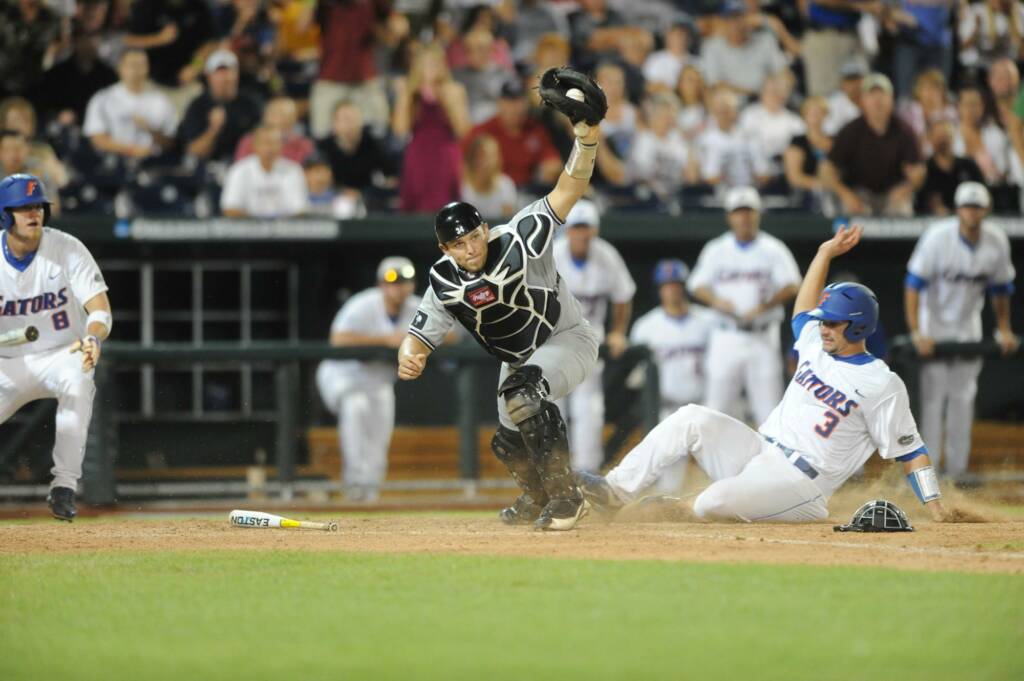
[(581, 160), (100, 317), (925, 484)]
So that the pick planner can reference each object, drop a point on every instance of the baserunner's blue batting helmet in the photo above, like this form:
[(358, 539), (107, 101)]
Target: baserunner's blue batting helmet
[(848, 302), (18, 190)]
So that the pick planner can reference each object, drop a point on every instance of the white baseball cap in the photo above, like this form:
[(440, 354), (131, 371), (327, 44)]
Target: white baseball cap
[(972, 194), (583, 213), (221, 59), (395, 268), (742, 197)]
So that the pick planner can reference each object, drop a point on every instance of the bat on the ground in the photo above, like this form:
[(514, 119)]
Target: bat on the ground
[(260, 519), (19, 336)]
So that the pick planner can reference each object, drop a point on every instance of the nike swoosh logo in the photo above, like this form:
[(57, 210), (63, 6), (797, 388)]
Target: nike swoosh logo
[(55, 276), (859, 392)]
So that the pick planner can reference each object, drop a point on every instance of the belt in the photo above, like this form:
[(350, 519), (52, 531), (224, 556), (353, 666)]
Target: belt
[(802, 464)]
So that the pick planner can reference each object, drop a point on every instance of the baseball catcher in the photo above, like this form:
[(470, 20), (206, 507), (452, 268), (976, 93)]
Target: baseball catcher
[(501, 284)]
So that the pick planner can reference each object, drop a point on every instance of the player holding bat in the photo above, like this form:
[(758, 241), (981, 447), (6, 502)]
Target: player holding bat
[(49, 282)]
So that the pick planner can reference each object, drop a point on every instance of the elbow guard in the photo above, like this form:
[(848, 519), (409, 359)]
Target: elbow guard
[(100, 317), (925, 484)]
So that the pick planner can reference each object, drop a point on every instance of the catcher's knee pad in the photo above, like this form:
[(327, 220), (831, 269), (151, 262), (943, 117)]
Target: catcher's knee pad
[(525, 392), (508, 446)]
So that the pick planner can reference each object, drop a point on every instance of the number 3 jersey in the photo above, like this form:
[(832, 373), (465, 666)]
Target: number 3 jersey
[(48, 291), (514, 303), (838, 410)]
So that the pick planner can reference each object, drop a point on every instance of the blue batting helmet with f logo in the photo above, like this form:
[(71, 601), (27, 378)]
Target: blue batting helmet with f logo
[(848, 302), (21, 190), (670, 270)]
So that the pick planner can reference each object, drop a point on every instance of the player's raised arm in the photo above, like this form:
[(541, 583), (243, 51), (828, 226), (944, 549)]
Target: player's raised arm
[(817, 273), (578, 97), (412, 358)]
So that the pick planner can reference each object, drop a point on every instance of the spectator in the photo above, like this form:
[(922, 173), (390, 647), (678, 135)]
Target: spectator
[(320, 183), (830, 42), (990, 30), (980, 138), (69, 85), (874, 166), (945, 171), (552, 50), (728, 157), (131, 118), (930, 103), (355, 156), (481, 76), (693, 115), (176, 35), (770, 121), (661, 159), (534, 22), (433, 108), (737, 56), (924, 40), (14, 158), (281, 113), (349, 32), (16, 113), (245, 28), (297, 45), (484, 185), (216, 120), (29, 36), (595, 31), (844, 103), (663, 68), (1004, 82), (481, 17), (527, 153), (265, 185), (619, 124), (766, 22), (803, 156)]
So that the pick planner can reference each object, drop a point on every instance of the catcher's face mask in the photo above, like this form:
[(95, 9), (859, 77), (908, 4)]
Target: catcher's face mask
[(877, 516)]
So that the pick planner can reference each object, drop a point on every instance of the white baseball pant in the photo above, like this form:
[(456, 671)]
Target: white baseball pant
[(584, 410), (53, 373), (738, 359), (948, 389), (753, 479)]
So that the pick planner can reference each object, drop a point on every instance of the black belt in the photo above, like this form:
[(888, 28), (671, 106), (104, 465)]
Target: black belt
[(802, 464)]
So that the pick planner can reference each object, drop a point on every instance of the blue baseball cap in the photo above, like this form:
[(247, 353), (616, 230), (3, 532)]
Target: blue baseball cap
[(670, 270)]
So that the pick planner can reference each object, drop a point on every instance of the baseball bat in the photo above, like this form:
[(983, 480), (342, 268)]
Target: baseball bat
[(240, 518), (19, 336)]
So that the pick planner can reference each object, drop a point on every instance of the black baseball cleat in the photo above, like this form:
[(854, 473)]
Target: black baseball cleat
[(62, 503), (597, 491), (524, 510), (561, 514)]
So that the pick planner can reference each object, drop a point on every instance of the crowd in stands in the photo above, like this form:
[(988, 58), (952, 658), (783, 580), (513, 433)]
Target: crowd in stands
[(278, 108)]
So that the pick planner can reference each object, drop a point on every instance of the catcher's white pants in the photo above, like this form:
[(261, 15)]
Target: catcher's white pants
[(583, 408), (53, 373), (366, 421), (737, 360), (948, 389), (753, 480)]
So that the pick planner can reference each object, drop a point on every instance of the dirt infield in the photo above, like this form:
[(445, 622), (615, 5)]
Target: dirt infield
[(986, 547)]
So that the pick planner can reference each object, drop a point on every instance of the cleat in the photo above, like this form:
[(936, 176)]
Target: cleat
[(62, 503), (524, 510), (561, 514), (597, 491)]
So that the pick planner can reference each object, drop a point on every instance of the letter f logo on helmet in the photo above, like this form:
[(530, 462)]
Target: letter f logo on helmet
[(30, 187)]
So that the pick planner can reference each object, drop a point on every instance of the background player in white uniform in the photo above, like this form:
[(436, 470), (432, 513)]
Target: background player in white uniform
[(361, 393), (841, 406), (956, 261), (49, 280), (677, 332), (596, 274), (746, 276)]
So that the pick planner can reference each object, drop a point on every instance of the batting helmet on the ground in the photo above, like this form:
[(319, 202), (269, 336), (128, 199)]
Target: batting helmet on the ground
[(877, 516), (849, 302), (19, 190), (456, 219)]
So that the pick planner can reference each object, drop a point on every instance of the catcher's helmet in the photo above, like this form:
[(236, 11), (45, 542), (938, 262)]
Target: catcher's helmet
[(670, 270), (456, 219), (21, 190), (877, 516), (849, 302)]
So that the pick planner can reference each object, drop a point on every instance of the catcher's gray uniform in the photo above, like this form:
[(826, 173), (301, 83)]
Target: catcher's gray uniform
[(516, 307)]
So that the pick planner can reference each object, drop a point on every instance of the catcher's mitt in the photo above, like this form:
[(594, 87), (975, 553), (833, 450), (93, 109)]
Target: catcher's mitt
[(554, 85)]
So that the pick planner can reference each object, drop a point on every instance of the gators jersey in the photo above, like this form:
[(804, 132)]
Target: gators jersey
[(602, 278)]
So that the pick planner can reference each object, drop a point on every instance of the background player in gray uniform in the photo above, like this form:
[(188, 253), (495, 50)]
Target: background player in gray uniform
[(361, 393), (956, 261), (501, 284), (596, 275)]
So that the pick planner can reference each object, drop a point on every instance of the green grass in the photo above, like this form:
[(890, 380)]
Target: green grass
[(294, 615)]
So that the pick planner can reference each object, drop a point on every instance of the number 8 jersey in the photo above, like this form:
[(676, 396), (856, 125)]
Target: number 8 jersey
[(838, 410), (47, 290)]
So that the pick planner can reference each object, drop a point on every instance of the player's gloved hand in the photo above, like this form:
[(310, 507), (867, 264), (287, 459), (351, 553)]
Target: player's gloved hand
[(90, 349), (411, 366), (584, 112), (617, 344), (924, 345)]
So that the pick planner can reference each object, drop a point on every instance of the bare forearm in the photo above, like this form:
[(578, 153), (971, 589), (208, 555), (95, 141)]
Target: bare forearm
[(813, 283), (413, 346), (1001, 308), (348, 339), (911, 307), (570, 189), (704, 296), (202, 146), (781, 297), (99, 303), (621, 313)]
